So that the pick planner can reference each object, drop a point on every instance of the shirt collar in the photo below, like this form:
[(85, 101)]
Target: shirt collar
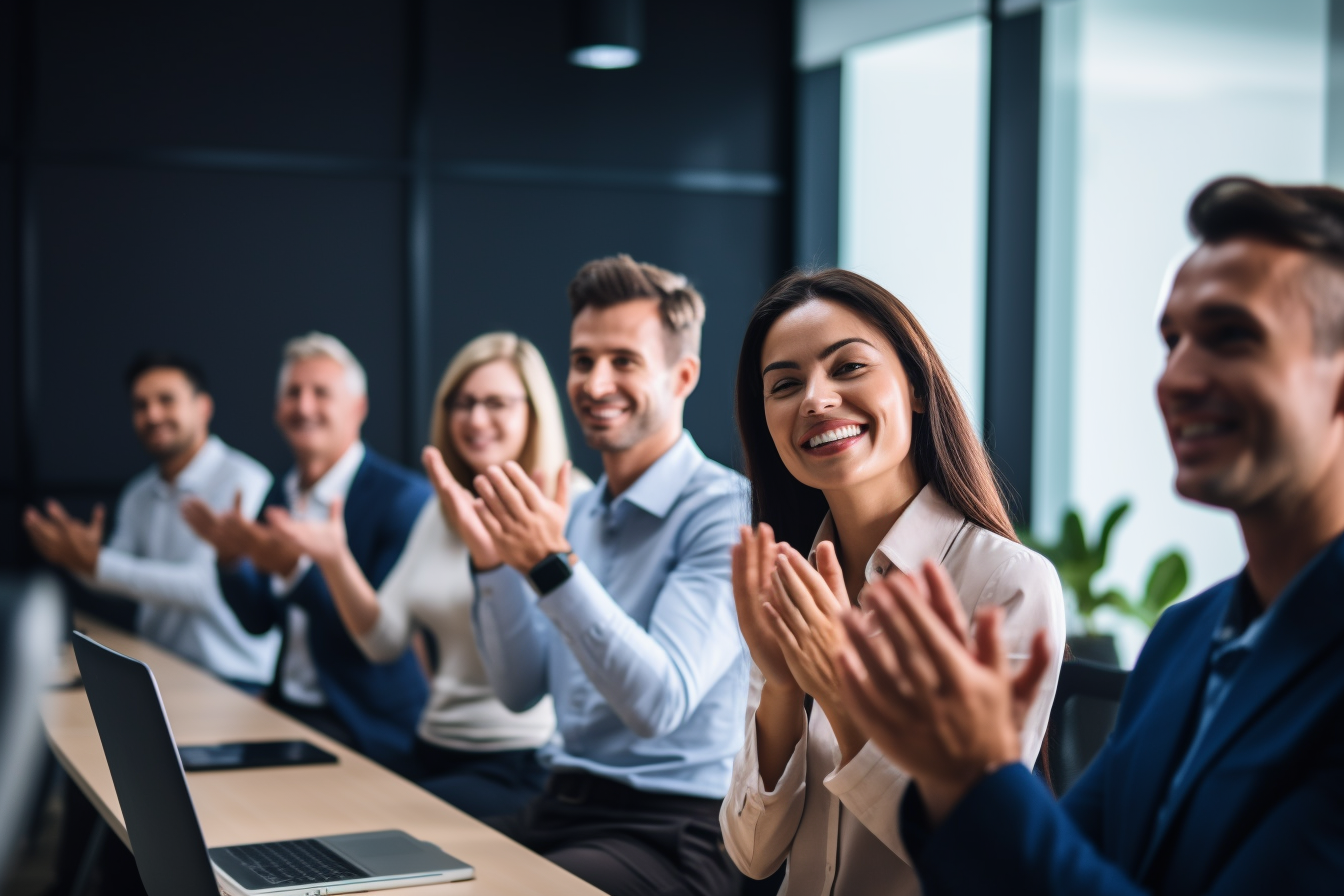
[(335, 483), (196, 474), (658, 488), (924, 531)]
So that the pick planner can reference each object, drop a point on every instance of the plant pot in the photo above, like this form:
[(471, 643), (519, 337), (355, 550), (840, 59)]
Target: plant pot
[(1095, 648)]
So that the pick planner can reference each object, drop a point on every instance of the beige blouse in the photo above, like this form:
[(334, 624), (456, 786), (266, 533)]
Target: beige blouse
[(837, 826)]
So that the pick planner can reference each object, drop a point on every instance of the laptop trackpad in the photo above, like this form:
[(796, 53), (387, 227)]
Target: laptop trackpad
[(391, 853)]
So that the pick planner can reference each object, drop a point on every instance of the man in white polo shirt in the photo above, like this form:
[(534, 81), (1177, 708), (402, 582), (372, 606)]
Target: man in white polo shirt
[(153, 557)]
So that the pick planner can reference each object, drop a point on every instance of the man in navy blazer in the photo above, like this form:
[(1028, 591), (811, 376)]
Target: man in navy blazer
[(1225, 771), (323, 679)]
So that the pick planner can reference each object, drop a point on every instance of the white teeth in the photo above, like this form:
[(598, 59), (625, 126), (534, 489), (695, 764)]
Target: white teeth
[(834, 435)]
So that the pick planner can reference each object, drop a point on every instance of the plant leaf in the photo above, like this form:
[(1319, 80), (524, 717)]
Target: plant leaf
[(1113, 518), (1167, 580), (1072, 542)]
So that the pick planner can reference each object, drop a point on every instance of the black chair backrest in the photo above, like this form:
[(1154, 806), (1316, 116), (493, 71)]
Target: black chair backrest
[(31, 619), (1086, 703)]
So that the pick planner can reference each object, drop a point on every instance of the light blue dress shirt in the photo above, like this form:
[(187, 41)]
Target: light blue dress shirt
[(640, 648)]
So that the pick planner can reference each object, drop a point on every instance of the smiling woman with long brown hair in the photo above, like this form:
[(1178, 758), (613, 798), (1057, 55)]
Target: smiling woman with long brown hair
[(863, 463)]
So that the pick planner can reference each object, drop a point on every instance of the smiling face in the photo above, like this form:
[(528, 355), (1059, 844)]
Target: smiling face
[(623, 386), (838, 403), (316, 410), (170, 417), (489, 416), (1251, 404)]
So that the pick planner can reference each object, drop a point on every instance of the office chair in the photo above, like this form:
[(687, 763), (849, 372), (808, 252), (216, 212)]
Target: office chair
[(1086, 703), (31, 620)]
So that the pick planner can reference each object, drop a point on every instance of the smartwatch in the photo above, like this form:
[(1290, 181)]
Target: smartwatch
[(552, 572)]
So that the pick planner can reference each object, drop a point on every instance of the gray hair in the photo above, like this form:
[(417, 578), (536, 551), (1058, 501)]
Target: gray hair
[(323, 345)]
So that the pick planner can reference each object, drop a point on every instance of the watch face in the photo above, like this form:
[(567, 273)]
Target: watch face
[(550, 573)]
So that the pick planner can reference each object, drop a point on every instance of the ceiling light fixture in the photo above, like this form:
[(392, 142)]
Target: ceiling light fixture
[(606, 34)]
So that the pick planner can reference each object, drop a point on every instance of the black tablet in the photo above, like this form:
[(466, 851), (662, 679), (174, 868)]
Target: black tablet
[(253, 754)]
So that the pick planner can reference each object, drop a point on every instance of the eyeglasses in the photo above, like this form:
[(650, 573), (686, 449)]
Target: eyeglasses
[(494, 404)]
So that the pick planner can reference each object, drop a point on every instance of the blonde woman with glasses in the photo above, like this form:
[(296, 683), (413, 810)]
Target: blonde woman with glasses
[(495, 403)]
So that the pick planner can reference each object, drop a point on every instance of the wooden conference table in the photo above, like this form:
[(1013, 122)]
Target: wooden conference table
[(253, 805)]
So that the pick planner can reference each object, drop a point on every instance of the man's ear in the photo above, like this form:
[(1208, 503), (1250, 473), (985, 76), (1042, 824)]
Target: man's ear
[(686, 376), (207, 408), (362, 408)]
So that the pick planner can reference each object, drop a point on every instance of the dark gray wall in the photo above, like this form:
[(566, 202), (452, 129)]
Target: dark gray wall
[(216, 177)]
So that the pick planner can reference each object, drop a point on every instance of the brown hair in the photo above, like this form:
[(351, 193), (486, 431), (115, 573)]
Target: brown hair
[(619, 278), (1310, 219), (946, 450)]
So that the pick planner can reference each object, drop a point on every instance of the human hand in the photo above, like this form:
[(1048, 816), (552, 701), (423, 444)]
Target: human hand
[(234, 536), (806, 617), (945, 709), (64, 540), (526, 526), (459, 509), (753, 586), (323, 540)]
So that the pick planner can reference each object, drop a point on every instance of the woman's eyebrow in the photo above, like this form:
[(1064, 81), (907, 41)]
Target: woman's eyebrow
[(825, 353)]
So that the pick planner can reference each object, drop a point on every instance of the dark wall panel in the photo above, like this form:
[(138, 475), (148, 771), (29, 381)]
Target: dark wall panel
[(9, 337), (320, 76), (9, 56), (483, 282), (706, 95), (222, 266)]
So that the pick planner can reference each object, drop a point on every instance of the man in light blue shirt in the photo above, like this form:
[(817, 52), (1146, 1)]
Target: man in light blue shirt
[(622, 608)]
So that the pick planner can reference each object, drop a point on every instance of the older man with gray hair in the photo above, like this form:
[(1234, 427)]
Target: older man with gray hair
[(323, 678)]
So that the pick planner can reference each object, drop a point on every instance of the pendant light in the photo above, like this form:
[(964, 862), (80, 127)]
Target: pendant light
[(606, 34)]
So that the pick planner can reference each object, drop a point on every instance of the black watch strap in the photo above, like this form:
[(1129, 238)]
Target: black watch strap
[(550, 573)]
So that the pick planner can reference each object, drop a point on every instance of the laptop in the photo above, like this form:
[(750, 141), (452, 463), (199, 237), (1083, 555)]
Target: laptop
[(165, 834)]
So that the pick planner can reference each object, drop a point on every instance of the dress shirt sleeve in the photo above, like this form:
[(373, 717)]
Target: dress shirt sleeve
[(188, 584), (654, 680), (759, 825), (512, 637)]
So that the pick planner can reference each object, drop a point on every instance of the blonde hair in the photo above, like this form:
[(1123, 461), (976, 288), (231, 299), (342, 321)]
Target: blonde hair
[(323, 345), (546, 447)]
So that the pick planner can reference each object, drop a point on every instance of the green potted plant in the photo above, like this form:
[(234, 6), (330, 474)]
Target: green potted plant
[(1078, 561)]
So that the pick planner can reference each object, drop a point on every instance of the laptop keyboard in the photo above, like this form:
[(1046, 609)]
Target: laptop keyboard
[(295, 862)]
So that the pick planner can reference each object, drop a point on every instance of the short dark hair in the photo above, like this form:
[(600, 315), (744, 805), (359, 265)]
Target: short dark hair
[(610, 281), (1307, 218), (155, 360)]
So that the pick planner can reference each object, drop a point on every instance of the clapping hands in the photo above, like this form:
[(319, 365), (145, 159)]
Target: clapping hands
[(64, 540), (942, 705), (234, 536)]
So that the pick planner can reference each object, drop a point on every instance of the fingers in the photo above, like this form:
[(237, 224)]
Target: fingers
[(99, 514), (488, 518), (942, 649), (57, 513), (791, 596), (534, 498), (889, 599), (500, 495), (944, 600), (988, 645), (766, 552), (828, 566), (562, 484), (336, 513), (1028, 679), (238, 502), (783, 634)]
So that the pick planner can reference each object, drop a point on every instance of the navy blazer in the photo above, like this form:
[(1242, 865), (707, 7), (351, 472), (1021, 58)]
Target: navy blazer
[(379, 702), (1260, 811)]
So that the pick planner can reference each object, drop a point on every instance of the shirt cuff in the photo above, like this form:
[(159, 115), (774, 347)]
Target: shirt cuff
[(112, 568), (282, 585), (502, 580), (791, 781), (580, 607)]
